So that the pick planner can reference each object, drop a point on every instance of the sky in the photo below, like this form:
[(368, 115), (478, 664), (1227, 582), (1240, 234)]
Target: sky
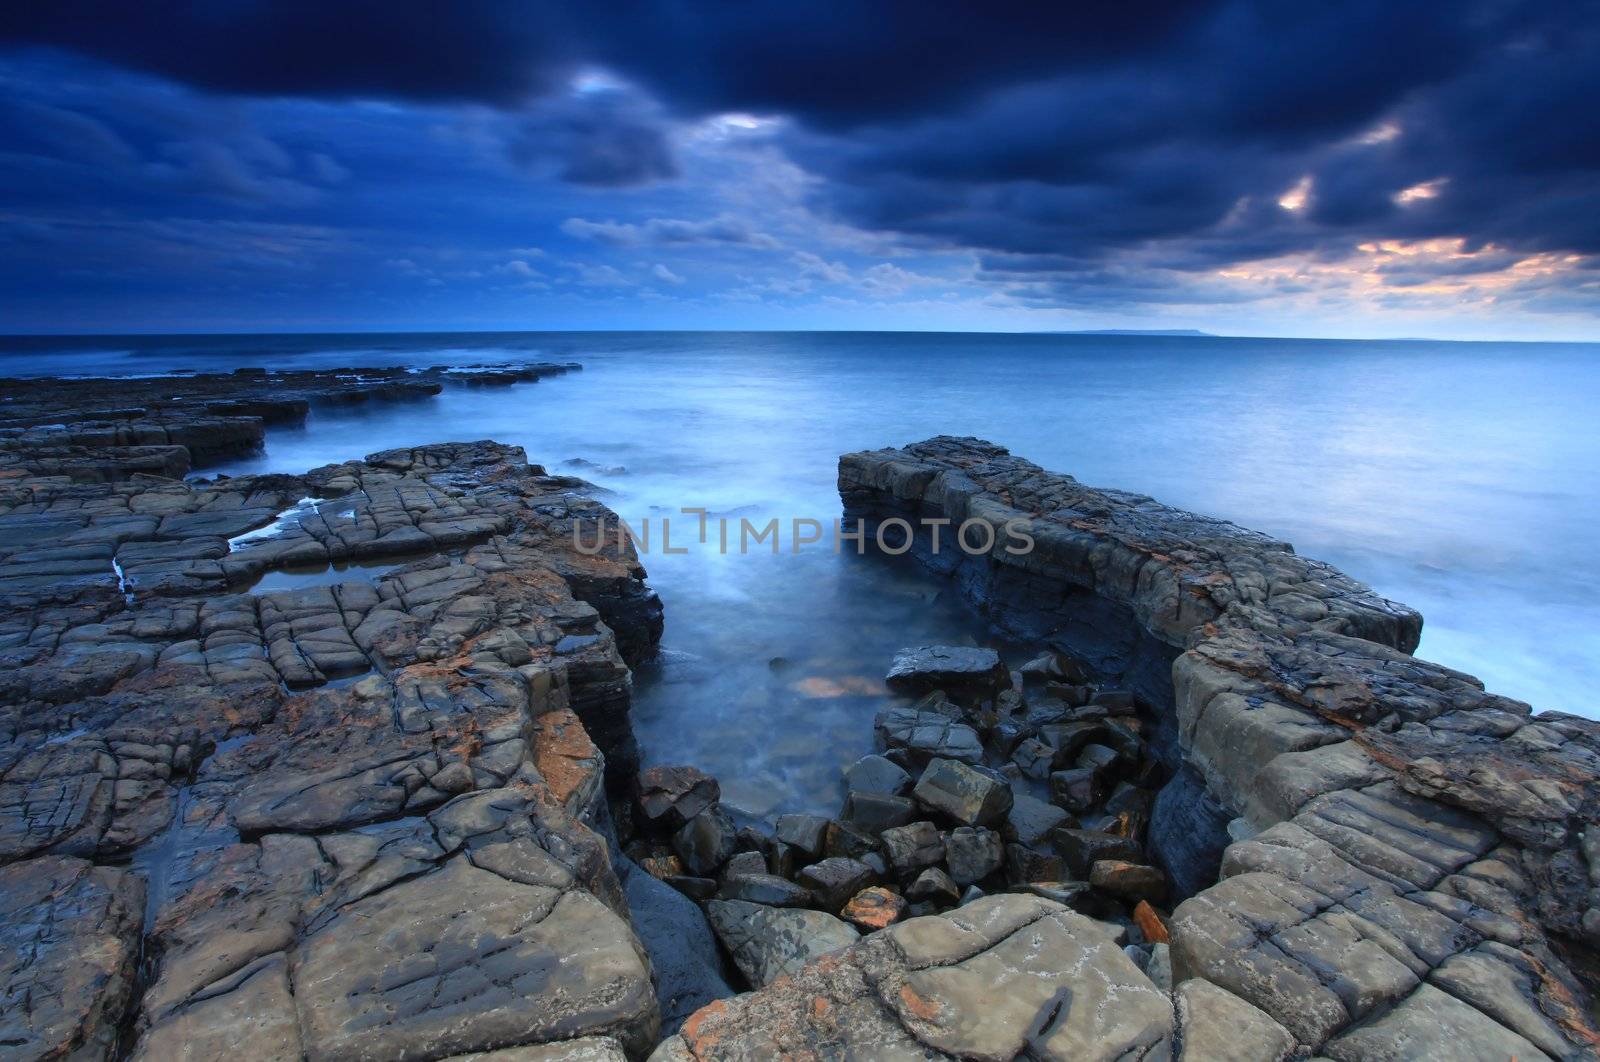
[(1324, 169)]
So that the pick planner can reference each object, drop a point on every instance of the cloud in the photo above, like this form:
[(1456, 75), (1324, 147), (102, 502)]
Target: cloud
[(601, 138), (724, 230), (665, 275), (1115, 156)]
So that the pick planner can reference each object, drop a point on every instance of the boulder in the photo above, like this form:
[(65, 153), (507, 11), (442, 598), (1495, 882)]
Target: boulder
[(1077, 789), (972, 854), (934, 886), (706, 841), (912, 849), (765, 889), (965, 673), (806, 833), (1131, 881), (876, 812), (834, 881), (875, 774), (967, 794), (874, 908), (921, 734), (1218, 1026), (1083, 848), (1031, 820), (767, 943), (671, 796)]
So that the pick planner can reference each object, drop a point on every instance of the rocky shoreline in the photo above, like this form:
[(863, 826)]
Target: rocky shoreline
[(398, 812)]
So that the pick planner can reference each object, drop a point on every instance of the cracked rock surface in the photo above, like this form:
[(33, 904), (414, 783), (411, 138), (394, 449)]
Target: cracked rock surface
[(362, 817)]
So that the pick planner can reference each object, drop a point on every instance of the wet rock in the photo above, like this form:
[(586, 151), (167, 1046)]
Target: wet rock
[(972, 854), (967, 794), (874, 908), (1025, 863), (911, 849), (1131, 881), (874, 774), (670, 796), (1034, 758), (684, 962), (834, 881), (876, 812), (705, 842), (1066, 893), (846, 839), (934, 886), (1083, 848), (1077, 789), (806, 833), (1100, 759), (922, 734), (745, 863), (697, 889), (964, 673), (765, 889), (69, 945), (1031, 820), (767, 943)]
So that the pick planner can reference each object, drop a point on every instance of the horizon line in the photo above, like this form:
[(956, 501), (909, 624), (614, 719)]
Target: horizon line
[(1096, 333)]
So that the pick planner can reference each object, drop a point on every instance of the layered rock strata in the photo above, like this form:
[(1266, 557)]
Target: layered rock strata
[(353, 818), (1414, 866), (104, 429)]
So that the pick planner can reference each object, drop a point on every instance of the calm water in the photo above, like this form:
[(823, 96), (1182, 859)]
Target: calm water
[(1458, 478)]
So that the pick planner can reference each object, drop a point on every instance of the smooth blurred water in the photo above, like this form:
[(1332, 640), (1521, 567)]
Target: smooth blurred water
[(1458, 478)]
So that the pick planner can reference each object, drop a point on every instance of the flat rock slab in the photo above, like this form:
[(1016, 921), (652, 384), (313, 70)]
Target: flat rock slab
[(69, 944), (999, 976), (961, 671)]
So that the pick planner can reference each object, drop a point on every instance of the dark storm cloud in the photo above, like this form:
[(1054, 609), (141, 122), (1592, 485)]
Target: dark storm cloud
[(601, 139), (1085, 153)]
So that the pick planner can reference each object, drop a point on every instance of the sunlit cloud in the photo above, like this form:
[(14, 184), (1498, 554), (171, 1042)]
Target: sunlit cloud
[(1295, 199), (1424, 190)]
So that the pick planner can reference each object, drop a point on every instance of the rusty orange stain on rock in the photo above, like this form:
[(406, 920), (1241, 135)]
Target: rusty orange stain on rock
[(1150, 923), (563, 752), (917, 1006)]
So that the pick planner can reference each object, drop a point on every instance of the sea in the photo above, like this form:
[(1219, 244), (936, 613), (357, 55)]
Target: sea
[(1460, 478)]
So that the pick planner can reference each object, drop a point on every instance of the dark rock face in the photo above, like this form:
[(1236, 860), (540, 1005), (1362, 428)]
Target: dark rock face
[(346, 810)]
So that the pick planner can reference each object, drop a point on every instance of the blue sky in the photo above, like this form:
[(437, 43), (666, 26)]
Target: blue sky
[(1362, 170)]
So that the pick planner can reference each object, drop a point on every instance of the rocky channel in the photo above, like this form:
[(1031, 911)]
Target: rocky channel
[(1220, 812)]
